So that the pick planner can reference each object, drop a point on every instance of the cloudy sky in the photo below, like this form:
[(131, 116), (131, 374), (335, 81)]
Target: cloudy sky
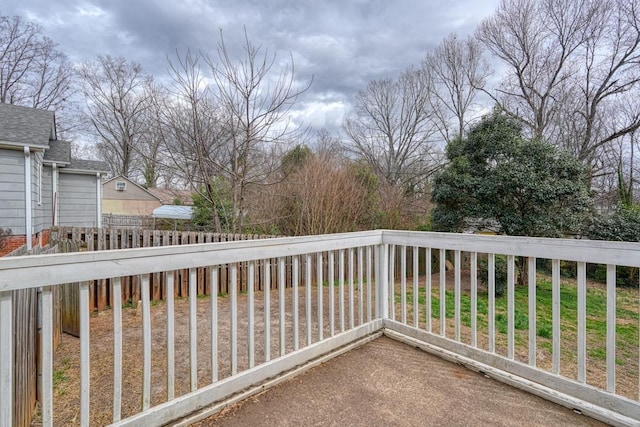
[(342, 44)]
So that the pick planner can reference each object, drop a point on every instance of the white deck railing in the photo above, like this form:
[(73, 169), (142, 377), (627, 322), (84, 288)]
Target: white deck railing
[(340, 289)]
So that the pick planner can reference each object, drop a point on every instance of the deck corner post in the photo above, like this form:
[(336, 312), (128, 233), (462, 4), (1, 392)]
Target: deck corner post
[(382, 281)]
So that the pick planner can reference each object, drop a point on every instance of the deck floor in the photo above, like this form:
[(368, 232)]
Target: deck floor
[(385, 382)]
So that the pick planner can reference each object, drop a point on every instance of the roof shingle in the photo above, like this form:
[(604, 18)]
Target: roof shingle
[(27, 126), (88, 165), (59, 152)]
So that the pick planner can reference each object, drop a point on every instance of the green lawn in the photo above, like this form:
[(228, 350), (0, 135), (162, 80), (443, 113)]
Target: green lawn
[(627, 326)]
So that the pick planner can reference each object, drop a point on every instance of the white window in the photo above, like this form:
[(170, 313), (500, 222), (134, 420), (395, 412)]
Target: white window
[(121, 185)]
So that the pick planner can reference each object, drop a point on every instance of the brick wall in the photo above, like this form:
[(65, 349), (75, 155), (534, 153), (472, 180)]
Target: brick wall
[(12, 243), (44, 237), (15, 242)]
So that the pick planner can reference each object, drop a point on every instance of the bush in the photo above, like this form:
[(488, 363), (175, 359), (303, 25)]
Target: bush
[(622, 226), (568, 269), (501, 272)]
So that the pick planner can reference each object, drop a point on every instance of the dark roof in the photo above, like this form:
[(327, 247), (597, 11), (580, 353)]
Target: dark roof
[(88, 165), (30, 126), (59, 151), (27, 126)]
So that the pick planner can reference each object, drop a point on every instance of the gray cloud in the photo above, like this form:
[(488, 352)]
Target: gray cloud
[(342, 44)]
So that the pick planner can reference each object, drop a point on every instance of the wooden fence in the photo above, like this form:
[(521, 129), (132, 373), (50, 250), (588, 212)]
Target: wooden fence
[(95, 239), (145, 221), (127, 221), (26, 354)]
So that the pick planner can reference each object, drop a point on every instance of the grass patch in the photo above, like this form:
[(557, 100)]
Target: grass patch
[(60, 377), (336, 283), (544, 330), (627, 320)]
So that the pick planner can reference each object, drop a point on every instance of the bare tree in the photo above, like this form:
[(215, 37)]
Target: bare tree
[(459, 72), (326, 142), (118, 96), (255, 99), (616, 161), (150, 148), (537, 41), (192, 132), (392, 128), (569, 63), (33, 72), (610, 76)]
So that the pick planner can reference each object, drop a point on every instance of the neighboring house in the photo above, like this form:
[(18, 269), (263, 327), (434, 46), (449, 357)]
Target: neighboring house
[(41, 185), (121, 196)]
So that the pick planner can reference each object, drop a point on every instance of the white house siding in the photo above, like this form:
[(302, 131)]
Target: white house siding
[(78, 200), (12, 208)]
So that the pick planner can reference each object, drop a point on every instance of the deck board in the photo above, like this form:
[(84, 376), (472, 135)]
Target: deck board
[(386, 382)]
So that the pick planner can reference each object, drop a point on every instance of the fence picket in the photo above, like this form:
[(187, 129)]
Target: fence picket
[(100, 292)]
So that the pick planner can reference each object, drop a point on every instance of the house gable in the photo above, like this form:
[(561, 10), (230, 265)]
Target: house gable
[(112, 190), (121, 196)]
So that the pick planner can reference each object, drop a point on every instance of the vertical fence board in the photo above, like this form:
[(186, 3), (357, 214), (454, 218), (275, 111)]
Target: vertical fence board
[(25, 327), (100, 292)]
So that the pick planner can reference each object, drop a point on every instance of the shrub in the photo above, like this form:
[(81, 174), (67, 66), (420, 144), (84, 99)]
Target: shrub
[(500, 270), (622, 226), (568, 269)]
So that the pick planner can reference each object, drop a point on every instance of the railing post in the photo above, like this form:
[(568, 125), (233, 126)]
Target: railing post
[(6, 358), (382, 281), (46, 356)]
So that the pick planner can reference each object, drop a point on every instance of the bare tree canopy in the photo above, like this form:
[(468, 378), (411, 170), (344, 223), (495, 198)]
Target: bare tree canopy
[(226, 125), (459, 72), (118, 95), (569, 63), (255, 99), (33, 72), (392, 127), (192, 132)]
